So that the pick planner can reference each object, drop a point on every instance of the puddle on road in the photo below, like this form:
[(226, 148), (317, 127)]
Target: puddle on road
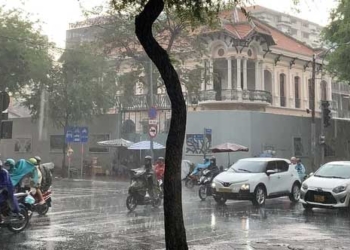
[(56, 239)]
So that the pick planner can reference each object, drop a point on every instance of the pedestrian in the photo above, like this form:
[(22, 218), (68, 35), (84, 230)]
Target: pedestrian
[(294, 160), (301, 170)]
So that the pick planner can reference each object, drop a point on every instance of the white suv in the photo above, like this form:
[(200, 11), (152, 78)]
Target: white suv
[(257, 179)]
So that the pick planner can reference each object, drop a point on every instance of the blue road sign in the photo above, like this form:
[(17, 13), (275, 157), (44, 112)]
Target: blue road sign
[(84, 134), (69, 134), (208, 131), (77, 134), (152, 113)]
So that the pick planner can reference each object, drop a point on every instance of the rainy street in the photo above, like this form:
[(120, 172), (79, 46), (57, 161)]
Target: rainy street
[(93, 215)]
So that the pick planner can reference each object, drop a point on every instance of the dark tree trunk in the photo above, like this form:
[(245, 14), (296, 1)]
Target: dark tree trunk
[(175, 233)]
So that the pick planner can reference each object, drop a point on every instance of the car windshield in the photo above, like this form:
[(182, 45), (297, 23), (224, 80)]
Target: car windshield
[(248, 167), (338, 171)]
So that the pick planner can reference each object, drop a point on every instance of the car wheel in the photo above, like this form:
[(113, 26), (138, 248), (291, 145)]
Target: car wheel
[(295, 194), (307, 207), (220, 200), (259, 196)]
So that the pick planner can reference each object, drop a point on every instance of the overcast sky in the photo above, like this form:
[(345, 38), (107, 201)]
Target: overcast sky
[(57, 14)]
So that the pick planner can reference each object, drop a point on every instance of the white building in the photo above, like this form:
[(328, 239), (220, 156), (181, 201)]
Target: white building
[(298, 28)]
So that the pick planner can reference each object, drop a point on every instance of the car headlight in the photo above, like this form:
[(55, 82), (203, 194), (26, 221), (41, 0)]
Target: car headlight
[(213, 185), (304, 186), (245, 187), (339, 189)]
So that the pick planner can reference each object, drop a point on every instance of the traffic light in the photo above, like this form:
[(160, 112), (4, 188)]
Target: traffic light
[(326, 113)]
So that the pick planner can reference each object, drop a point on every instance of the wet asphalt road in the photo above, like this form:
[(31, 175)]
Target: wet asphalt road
[(92, 215)]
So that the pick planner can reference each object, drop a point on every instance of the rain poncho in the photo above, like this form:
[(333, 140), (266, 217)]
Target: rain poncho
[(22, 169), (5, 184), (199, 167), (301, 171)]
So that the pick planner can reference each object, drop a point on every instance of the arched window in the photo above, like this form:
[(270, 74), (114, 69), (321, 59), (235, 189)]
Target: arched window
[(297, 92), (324, 91), (310, 93), (283, 90)]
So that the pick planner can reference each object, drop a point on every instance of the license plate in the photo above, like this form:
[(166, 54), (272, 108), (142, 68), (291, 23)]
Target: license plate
[(319, 198), (225, 190)]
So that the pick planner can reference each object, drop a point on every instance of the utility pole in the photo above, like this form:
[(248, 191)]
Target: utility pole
[(313, 124), (322, 137), (151, 91)]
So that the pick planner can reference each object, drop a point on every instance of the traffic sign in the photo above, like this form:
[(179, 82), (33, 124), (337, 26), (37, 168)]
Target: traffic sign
[(84, 134), (208, 131), (152, 131), (68, 134), (152, 122), (5, 101), (77, 134), (152, 113)]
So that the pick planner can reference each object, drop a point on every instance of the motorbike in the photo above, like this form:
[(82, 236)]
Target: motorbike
[(138, 194), (205, 181), (15, 224), (193, 178), (36, 207)]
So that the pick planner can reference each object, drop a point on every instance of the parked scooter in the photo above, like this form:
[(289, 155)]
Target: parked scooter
[(15, 224), (138, 191)]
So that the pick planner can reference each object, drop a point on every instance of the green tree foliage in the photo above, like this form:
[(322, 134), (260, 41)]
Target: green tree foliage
[(81, 86), (172, 31), (24, 51), (337, 36)]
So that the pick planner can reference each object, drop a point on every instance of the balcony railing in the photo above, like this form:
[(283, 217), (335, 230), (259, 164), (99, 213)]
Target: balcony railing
[(142, 102), (234, 95), (297, 103)]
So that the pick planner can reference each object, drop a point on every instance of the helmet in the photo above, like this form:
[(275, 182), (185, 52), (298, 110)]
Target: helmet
[(148, 161), (10, 162), (161, 159), (33, 161), (38, 159), (213, 160)]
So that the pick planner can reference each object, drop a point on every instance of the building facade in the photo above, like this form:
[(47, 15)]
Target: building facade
[(300, 29), (251, 66)]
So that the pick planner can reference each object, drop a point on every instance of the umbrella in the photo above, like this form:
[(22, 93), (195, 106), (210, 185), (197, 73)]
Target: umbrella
[(115, 143), (228, 148), (145, 145)]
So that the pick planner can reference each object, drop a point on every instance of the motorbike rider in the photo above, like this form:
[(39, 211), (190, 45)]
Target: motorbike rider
[(9, 165), (37, 185), (213, 168), (199, 167), (150, 177), (7, 192), (160, 168)]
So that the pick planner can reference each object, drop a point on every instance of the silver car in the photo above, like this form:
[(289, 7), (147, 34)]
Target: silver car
[(329, 187)]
